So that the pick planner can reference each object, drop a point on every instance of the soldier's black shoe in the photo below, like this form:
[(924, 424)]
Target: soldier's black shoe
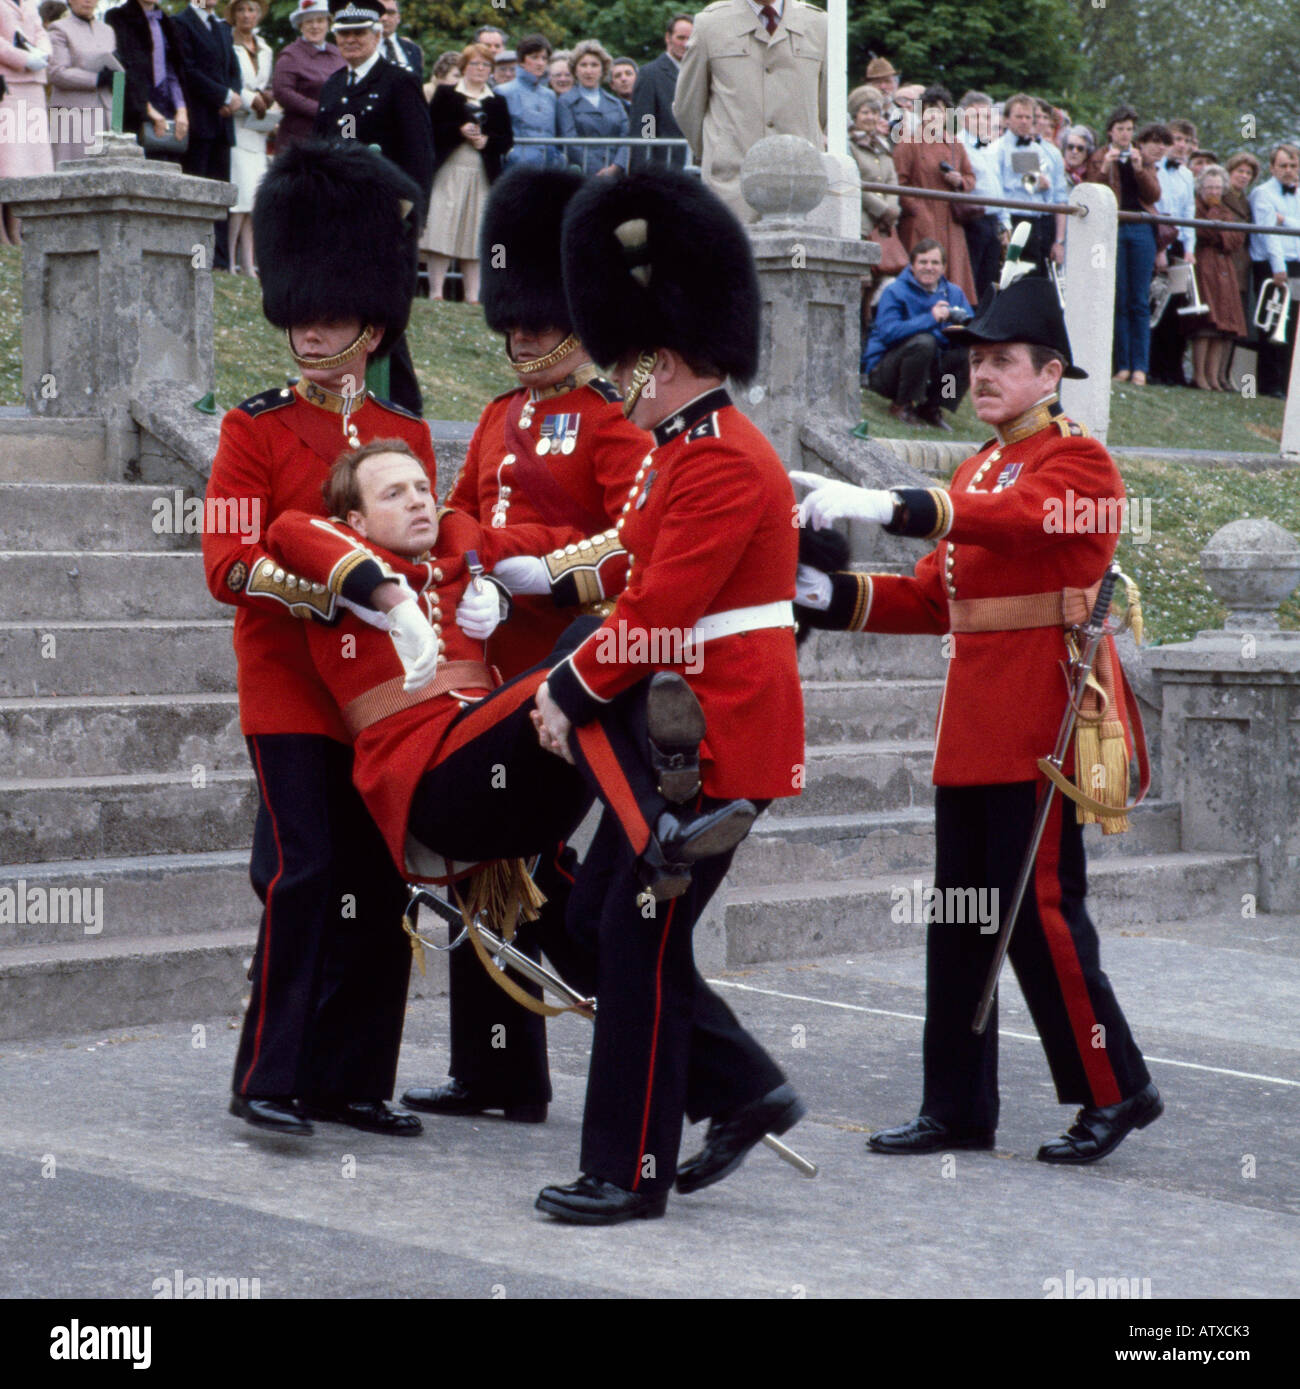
[(453, 1098), (274, 1115), (730, 1137), (925, 1135), (372, 1116), (681, 840), (676, 725), (1098, 1131), (591, 1201)]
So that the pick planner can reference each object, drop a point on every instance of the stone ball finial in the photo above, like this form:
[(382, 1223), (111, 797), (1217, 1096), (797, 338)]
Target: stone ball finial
[(1252, 566), (782, 177)]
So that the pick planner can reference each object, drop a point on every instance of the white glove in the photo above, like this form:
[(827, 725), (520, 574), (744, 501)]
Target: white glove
[(35, 60), (480, 610), (523, 574), (416, 644), (840, 501), (812, 588)]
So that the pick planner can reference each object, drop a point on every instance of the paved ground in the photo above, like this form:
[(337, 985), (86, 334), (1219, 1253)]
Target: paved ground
[(151, 1176)]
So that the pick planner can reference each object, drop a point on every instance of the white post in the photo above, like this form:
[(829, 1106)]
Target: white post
[(1090, 246), (837, 77), (1290, 447)]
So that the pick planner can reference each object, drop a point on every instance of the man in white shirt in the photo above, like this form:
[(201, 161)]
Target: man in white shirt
[(1276, 203), (393, 46), (985, 237), (1047, 230), (1177, 199)]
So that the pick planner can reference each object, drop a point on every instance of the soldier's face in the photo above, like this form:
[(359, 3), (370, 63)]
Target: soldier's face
[(1004, 382), (398, 509), (326, 338), (527, 344)]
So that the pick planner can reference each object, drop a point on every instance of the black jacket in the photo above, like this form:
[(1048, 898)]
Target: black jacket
[(656, 84), (209, 56), (385, 109), (412, 50), (449, 110), (135, 53)]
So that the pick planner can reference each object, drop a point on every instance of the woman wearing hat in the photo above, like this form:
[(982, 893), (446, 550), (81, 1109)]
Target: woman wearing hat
[(301, 70), (248, 158)]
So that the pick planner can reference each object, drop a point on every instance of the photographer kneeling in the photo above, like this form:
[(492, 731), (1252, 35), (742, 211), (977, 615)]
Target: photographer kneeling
[(908, 357)]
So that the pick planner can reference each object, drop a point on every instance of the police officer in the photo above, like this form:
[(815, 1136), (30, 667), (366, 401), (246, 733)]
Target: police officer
[(1025, 533), (336, 236), (661, 281)]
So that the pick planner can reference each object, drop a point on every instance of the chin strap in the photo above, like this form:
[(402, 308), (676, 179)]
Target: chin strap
[(641, 374), (361, 340), (557, 354)]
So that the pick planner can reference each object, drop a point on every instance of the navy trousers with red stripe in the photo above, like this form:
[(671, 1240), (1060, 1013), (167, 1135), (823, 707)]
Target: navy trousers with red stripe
[(666, 1045), (332, 962), (982, 833)]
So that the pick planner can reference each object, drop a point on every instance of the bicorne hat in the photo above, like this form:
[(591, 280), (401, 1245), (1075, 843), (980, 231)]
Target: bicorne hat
[(1028, 310), (519, 249), (336, 230), (656, 260)]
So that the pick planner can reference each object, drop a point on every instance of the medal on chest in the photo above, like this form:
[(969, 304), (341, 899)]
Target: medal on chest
[(559, 434)]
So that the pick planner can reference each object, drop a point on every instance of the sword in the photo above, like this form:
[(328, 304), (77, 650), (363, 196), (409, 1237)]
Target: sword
[(505, 954), (1080, 669)]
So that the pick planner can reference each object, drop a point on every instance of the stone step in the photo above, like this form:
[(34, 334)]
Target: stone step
[(111, 516), (49, 818), (70, 584), (33, 449), (103, 982), (84, 735), (787, 921), (148, 895), (844, 711), (833, 848), (116, 657), (861, 777), (871, 656)]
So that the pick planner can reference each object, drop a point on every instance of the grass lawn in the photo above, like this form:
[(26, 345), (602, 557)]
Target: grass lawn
[(461, 365)]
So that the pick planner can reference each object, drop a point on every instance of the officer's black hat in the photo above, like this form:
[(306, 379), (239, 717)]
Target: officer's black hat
[(519, 249), (336, 226), (1028, 310), (657, 260), (355, 14)]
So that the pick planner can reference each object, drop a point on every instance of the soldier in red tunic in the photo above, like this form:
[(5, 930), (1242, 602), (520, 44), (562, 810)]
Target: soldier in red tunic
[(556, 451), (661, 281), (335, 232), (1026, 531)]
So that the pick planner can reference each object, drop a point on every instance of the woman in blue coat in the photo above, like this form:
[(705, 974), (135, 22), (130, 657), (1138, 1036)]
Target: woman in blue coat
[(588, 110)]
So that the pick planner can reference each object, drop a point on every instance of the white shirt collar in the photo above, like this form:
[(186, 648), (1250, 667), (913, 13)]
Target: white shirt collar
[(364, 70), (777, 5)]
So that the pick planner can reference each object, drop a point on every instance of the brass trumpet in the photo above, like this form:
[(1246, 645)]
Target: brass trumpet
[(1273, 310)]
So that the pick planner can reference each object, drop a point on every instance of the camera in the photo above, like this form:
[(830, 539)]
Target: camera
[(957, 315), (945, 167)]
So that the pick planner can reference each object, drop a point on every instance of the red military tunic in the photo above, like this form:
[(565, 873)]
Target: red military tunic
[(353, 657), (1038, 513), (708, 526), (581, 454), (275, 452)]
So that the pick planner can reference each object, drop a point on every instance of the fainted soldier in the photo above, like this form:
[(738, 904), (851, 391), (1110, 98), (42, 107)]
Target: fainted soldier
[(432, 734), (1025, 533), (661, 282), (336, 232), (556, 451)]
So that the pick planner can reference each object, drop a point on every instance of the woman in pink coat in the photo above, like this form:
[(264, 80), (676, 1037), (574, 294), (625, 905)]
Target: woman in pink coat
[(82, 64), (24, 127)]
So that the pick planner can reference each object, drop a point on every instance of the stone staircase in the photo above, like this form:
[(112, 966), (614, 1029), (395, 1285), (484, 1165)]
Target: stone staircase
[(122, 771)]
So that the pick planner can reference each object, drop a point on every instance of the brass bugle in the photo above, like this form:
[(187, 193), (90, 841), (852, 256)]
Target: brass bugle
[(1272, 311)]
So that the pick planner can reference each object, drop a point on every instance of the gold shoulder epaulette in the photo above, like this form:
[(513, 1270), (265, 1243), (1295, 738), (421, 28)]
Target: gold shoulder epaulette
[(1071, 429)]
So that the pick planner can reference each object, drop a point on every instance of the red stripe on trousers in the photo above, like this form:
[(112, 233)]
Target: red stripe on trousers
[(266, 934), (1069, 972), (594, 742), (654, 1043)]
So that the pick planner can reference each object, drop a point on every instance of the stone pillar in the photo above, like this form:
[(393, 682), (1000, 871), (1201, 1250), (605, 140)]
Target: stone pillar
[(1090, 247), (811, 288), (117, 284), (1230, 730)]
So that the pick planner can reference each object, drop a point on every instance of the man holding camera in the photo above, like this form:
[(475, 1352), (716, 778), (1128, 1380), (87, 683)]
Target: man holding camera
[(908, 356)]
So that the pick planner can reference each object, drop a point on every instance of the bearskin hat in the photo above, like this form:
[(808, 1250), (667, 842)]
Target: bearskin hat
[(337, 227), (522, 286), (656, 260)]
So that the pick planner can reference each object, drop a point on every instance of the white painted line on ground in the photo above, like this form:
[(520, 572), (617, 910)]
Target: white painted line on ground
[(1002, 1032)]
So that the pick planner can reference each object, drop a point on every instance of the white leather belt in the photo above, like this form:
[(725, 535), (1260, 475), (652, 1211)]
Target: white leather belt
[(735, 620)]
